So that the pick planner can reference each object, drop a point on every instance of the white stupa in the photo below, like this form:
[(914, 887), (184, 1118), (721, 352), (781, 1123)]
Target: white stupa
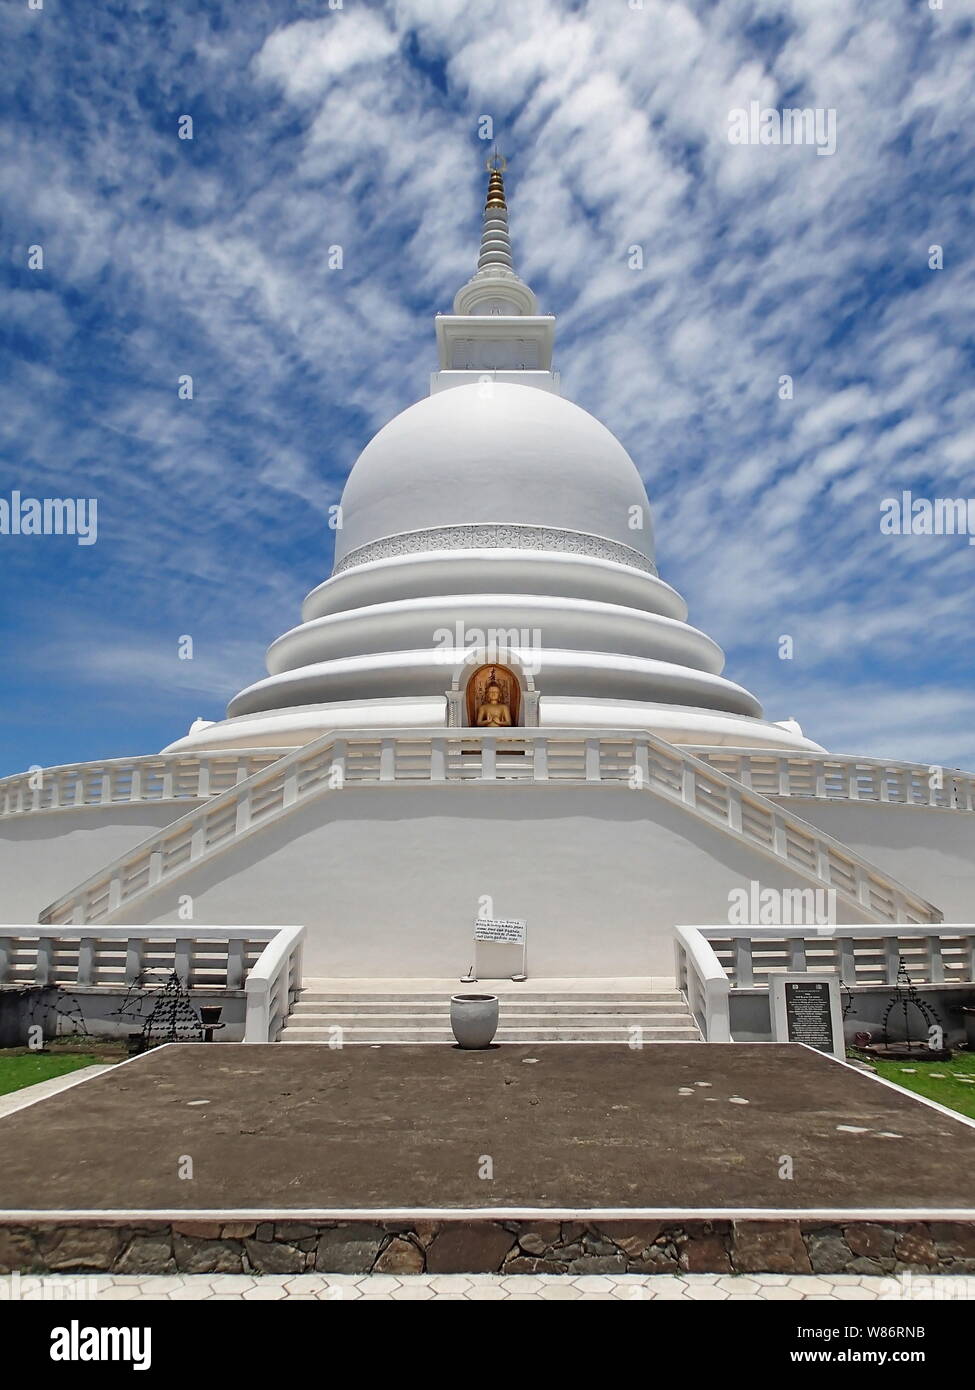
[(494, 704), (494, 521)]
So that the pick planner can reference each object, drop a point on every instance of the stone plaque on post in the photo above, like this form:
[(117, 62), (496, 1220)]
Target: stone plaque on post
[(806, 1009)]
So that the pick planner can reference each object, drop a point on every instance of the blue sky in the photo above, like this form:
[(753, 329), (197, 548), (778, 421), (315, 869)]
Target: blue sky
[(358, 126)]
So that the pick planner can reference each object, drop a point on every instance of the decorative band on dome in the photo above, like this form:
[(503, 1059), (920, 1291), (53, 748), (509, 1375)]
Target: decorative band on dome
[(496, 536)]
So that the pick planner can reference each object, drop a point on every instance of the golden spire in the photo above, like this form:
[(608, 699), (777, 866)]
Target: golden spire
[(496, 165)]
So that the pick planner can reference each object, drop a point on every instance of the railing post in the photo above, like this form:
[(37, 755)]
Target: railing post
[(796, 946), (243, 817), (643, 762), (337, 765), (235, 963), (540, 758), (114, 893), (438, 759), (936, 964), (488, 758), (847, 960), (290, 794), (780, 839), (6, 958), (135, 783), (688, 786), (155, 865), (203, 779), (133, 959), (387, 760), (862, 886), (734, 807), (892, 957), (86, 960), (744, 973), (182, 959), (592, 760), (45, 960)]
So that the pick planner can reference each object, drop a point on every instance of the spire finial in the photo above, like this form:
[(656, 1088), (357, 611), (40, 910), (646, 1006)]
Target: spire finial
[(496, 165)]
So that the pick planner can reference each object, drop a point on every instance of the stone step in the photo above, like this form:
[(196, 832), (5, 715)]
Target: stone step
[(352, 1037), (508, 1000), (319, 1018)]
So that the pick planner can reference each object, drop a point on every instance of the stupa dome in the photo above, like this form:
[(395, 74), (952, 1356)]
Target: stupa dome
[(494, 452)]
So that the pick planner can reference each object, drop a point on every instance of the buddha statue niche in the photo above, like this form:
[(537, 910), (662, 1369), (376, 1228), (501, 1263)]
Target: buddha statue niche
[(493, 712)]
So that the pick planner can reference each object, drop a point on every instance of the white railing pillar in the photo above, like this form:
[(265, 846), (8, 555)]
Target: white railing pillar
[(387, 760), (290, 793), (86, 961), (438, 760), (133, 959), (489, 760), (592, 760), (744, 973), (539, 747), (44, 964)]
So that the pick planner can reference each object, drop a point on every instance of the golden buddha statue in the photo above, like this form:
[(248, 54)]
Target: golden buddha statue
[(493, 712)]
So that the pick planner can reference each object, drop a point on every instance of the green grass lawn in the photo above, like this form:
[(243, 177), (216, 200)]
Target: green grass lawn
[(950, 1083), (19, 1067)]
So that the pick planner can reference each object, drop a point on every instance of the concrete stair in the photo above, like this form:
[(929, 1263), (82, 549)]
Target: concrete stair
[(527, 1015)]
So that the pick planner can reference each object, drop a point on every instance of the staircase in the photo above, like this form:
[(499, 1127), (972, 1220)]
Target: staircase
[(419, 1012)]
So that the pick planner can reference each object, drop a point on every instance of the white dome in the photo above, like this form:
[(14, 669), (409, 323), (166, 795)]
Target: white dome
[(489, 453)]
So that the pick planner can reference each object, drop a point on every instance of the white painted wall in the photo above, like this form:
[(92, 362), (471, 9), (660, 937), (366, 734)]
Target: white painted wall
[(45, 854), (931, 851), (387, 879)]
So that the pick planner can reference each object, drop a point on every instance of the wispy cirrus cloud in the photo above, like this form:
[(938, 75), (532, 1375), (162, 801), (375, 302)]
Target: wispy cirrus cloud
[(357, 127)]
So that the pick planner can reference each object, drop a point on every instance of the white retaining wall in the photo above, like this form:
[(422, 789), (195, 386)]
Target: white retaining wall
[(932, 851), (387, 880), (46, 854)]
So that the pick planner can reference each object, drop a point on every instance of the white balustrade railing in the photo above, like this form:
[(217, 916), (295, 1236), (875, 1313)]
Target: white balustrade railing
[(273, 985), (703, 982), (934, 955), (837, 778), (711, 962), (637, 761), (265, 962), (161, 777)]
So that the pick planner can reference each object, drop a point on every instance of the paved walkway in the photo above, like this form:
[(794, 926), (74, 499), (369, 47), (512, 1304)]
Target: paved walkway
[(29, 1095), (476, 1287)]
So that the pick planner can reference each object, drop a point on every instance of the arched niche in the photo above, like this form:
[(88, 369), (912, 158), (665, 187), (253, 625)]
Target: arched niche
[(478, 685)]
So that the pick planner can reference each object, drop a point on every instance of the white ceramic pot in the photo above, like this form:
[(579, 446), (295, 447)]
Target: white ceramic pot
[(474, 1018)]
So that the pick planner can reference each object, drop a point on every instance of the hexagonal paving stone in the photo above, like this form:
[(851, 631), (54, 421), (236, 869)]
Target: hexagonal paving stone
[(126, 1293), (449, 1283), (522, 1283), (266, 1291), (739, 1285), (783, 1293), (554, 1291), (706, 1293), (413, 1292), (231, 1283), (809, 1284), (484, 1292), (378, 1283)]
